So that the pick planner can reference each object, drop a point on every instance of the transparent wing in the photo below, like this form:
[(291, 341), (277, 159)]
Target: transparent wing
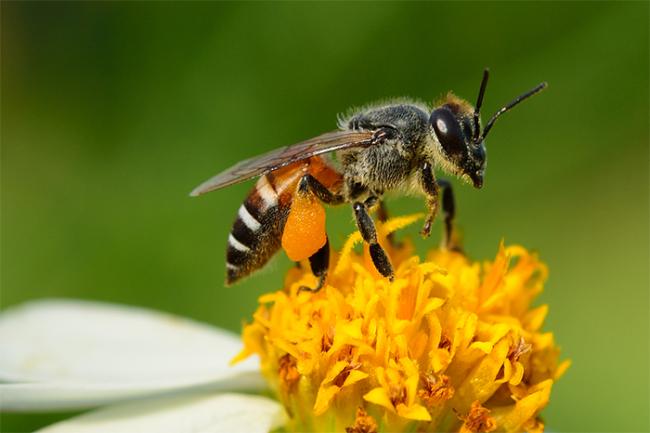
[(283, 156)]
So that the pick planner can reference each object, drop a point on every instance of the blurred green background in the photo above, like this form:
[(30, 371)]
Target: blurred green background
[(112, 113)]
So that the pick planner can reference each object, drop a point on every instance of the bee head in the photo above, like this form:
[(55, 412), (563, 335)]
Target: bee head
[(457, 130)]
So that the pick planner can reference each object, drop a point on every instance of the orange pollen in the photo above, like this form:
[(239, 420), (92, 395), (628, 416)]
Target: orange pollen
[(435, 391), (304, 232), (363, 423), (288, 372), (445, 343), (398, 395), (478, 420), (326, 342)]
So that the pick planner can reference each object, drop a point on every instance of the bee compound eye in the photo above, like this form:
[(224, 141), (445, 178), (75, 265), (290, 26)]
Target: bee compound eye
[(441, 125), (448, 132)]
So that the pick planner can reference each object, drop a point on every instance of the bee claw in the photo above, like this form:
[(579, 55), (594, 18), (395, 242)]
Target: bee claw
[(384, 134), (426, 230), (379, 137)]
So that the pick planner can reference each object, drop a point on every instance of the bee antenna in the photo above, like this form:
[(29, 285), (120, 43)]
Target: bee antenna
[(514, 102), (479, 102)]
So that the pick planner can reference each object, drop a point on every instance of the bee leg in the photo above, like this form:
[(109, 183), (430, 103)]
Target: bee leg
[(430, 188), (319, 263), (311, 184), (449, 212), (369, 234)]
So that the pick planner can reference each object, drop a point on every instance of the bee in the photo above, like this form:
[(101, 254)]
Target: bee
[(378, 149)]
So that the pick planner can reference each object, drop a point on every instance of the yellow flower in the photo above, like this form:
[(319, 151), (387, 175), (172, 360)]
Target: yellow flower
[(449, 345)]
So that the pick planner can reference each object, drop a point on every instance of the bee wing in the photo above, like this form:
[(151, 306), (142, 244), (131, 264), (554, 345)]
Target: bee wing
[(283, 156)]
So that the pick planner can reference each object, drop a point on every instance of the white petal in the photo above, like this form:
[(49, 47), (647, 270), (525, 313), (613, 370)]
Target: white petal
[(94, 353), (48, 397), (231, 413)]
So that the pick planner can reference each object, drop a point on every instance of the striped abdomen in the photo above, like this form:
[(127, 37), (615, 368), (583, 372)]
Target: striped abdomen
[(257, 232)]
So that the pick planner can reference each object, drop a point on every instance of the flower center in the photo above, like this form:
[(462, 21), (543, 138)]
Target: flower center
[(449, 345)]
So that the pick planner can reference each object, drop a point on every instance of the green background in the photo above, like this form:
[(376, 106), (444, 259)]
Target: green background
[(112, 113)]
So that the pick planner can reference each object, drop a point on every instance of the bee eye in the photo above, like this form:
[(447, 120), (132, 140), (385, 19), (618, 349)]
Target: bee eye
[(448, 132)]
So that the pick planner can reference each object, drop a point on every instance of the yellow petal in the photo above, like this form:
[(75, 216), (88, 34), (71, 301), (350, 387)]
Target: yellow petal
[(564, 365), (354, 377), (380, 397), (480, 383), (267, 298), (324, 397), (483, 346), (414, 412), (344, 256), (351, 329), (334, 371), (525, 409), (535, 318), (433, 304), (418, 344), (440, 359), (430, 268), (395, 224), (517, 375)]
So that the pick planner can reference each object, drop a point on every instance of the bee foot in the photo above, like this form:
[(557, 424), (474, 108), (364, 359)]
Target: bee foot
[(308, 289), (321, 281)]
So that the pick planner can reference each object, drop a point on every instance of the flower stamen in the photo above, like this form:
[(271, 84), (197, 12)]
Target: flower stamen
[(363, 423), (478, 420), (435, 391), (288, 372)]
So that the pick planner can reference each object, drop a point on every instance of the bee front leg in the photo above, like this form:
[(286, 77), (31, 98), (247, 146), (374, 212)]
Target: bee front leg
[(369, 234), (430, 188)]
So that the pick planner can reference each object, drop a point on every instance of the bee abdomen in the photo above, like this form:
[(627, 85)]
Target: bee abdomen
[(257, 231)]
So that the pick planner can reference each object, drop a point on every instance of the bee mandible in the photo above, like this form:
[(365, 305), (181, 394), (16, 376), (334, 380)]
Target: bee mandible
[(378, 149)]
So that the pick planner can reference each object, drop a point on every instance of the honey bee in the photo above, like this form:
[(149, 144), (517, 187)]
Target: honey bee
[(378, 149)]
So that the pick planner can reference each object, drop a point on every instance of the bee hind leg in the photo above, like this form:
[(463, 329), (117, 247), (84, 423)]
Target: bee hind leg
[(369, 234), (319, 263), (309, 183)]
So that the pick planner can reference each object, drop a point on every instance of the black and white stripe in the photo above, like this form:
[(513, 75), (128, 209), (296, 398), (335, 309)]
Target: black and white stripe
[(257, 231), (246, 241), (267, 193), (242, 238), (248, 219)]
